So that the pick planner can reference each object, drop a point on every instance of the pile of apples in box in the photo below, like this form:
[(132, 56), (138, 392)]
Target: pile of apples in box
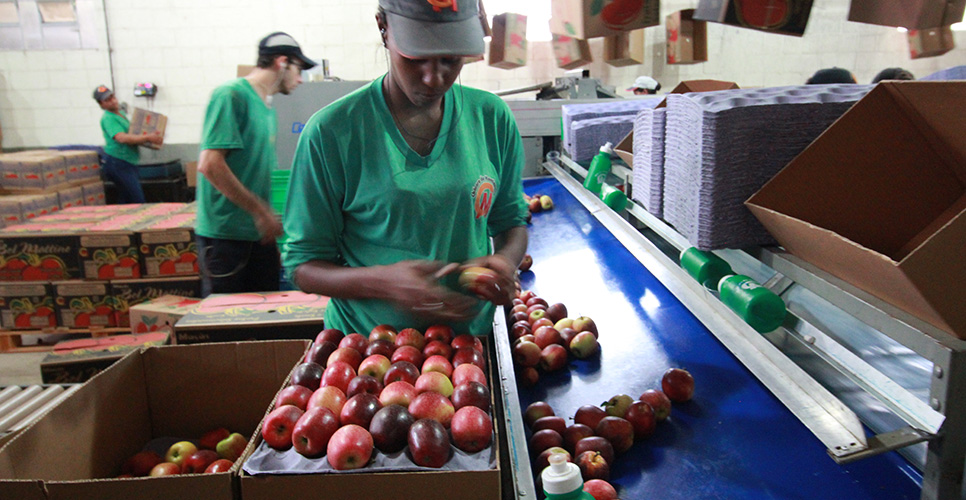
[(393, 391), (215, 451)]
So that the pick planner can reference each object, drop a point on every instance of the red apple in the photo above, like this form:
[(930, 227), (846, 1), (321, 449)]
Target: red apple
[(375, 366), (359, 410), (556, 312), (363, 383), (438, 348), (179, 451), (382, 347), (312, 431), (383, 332), (307, 374), (467, 372), (471, 394), (434, 382), (526, 263), (596, 444), (466, 340), (141, 463), (529, 376), (480, 281), (589, 415), (320, 352), (355, 341), (165, 469), (535, 301), (350, 447), (390, 428), (583, 345), (527, 295), (429, 444), (232, 447), (333, 335), (593, 466), (472, 429), (410, 336), (543, 439), (600, 489), (197, 462), (442, 333), (211, 438), (408, 353), (567, 336), (398, 393), (658, 401), (642, 419), (432, 405), (536, 410), (437, 364), (338, 374), (546, 335), (518, 308), (544, 321), (278, 426), (220, 465), (296, 395), (467, 355), (618, 431), (347, 355), (551, 422), (520, 328), (584, 324), (517, 317), (543, 460), (401, 370), (534, 308), (678, 385), (330, 397), (553, 358), (574, 433)]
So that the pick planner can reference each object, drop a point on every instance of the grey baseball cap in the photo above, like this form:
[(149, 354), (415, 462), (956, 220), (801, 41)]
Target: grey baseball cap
[(282, 44), (428, 28), (102, 93)]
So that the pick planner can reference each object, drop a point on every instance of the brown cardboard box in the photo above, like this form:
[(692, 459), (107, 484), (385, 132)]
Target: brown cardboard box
[(687, 39), (145, 122), (26, 255), (571, 52), (508, 46), (94, 193), (624, 49), (253, 316), (41, 170), (70, 197), (128, 293), (912, 14), (785, 17), (84, 304), (191, 173), (162, 312), (930, 42), (81, 165), (109, 255), (76, 449), (27, 306), (879, 200), (585, 19), (168, 245), (76, 361)]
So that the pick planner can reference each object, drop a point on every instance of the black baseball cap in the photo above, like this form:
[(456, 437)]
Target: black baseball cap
[(428, 28), (102, 93), (831, 75), (282, 44)]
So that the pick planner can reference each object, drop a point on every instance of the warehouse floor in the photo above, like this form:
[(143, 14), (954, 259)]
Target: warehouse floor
[(20, 368)]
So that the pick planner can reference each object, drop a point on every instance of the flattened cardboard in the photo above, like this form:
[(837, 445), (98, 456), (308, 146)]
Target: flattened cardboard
[(76, 361), (892, 218), (687, 38), (930, 42), (624, 49), (912, 14), (508, 46), (253, 316), (783, 17), (176, 391)]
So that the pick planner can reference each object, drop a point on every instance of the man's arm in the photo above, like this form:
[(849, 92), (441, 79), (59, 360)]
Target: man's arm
[(138, 140), (213, 166)]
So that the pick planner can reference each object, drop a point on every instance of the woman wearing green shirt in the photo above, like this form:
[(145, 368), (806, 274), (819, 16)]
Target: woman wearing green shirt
[(399, 185)]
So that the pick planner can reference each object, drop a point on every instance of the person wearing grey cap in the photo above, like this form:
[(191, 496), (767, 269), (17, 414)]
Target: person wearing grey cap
[(399, 186), (236, 228), (121, 155)]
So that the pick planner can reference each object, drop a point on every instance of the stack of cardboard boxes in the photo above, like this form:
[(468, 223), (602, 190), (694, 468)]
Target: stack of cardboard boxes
[(40, 182)]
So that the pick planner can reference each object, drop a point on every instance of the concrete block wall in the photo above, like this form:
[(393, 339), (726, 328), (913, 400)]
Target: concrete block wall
[(187, 48)]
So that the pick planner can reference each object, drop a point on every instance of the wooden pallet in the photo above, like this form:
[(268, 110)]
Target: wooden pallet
[(11, 341)]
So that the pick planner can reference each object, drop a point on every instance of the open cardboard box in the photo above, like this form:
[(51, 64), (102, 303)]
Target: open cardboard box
[(75, 450), (879, 200)]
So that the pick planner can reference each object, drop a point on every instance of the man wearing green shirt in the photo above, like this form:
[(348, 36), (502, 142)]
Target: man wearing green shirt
[(121, 148), (236, 227)]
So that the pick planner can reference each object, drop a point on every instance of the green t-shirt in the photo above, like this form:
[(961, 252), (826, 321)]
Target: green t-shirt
[(360, 196), (237, 120), (111, 125)]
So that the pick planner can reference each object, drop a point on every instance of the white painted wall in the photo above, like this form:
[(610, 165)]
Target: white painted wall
[(187, 47)]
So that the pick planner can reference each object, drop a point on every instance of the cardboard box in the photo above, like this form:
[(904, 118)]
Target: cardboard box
[(27, 306), (84, 304), (624, 49), (144, 122), (109, 255), (930, 42), (162, 312), (94, 193), (39, 170), (191, 173), (70, 197), (13, 209), (76, 361), (687, 39), (169, 391), (570, 52), (585, 19), (912, 14), (785, 17), (168, 245), (508, 46), (128, 293), (27, 256), (81, 165), (253, 316), (879, 200)]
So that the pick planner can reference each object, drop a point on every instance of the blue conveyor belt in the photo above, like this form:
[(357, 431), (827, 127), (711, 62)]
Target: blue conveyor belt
[(734, 439)]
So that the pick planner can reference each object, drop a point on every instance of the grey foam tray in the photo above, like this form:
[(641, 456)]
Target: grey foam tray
[(616, 107), (589, 135), (648, 166)]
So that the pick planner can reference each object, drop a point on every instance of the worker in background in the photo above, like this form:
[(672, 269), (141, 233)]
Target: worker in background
[(236, 227), (831, 75), (645, 85), (893, 74), (121, 148), (398, 186)]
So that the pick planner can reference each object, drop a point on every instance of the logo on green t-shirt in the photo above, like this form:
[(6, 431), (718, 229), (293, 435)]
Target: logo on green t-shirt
[(483, 193)]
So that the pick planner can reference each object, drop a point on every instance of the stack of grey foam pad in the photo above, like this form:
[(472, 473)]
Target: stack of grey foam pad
[(599, 132), (721, 147), (954, 73), (649, 160)]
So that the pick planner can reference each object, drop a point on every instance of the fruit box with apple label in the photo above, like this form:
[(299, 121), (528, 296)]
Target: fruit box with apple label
[(128, 293), (585, 19), (784, 17), (464, 476), (152, 393), (27, 306), (76, 361), (162, 312), (168, 246), (253, 316), (83, 304), (28, 256), (108, 256)]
